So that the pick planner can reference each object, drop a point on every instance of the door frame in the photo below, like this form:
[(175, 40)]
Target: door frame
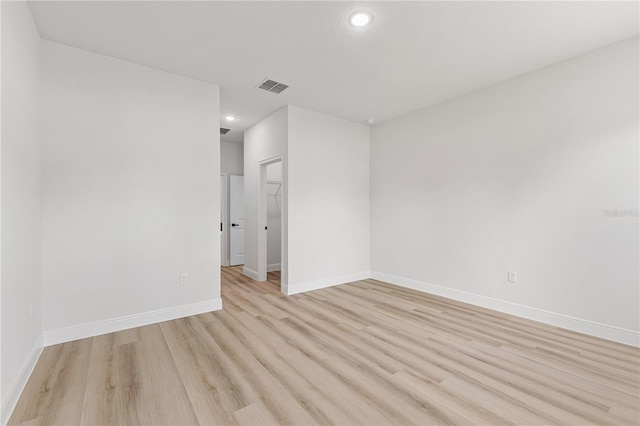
[(262, 221)]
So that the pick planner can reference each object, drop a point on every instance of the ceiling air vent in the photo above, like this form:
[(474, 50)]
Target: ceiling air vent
[(224, 131), (272, 86)]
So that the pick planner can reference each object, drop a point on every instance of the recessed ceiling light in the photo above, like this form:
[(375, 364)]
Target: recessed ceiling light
[(229, 118), (360, 19)]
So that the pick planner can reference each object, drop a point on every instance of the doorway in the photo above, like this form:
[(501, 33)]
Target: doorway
[(274, 219), (272, 257)]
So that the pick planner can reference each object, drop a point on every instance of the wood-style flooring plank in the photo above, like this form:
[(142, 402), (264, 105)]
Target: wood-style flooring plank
[(55, 391), (364, 353)]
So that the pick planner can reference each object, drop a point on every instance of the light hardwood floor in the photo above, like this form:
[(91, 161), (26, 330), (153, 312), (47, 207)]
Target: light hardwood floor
[(359, 353)]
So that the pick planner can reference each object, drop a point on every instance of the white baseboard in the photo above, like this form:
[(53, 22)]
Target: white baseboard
[(97, 328), (616, 334), (14, 392), (290, 289), (273, 267), (250, 273)]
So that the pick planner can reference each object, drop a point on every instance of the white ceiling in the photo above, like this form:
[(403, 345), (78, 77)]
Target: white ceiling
[(414, 54)]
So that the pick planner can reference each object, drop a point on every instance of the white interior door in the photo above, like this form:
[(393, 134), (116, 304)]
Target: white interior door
[(236, 217), (224, 221)]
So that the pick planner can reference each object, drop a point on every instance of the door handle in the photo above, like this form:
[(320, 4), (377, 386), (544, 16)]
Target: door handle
[(235, 224)]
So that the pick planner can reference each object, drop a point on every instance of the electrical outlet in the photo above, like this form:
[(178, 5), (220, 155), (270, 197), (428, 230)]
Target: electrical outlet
[(512, 277), (184, 278)]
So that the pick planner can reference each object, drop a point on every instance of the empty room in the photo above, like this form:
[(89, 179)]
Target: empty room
[(320, 212)]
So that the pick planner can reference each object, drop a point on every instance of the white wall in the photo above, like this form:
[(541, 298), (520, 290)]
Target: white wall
[(131, 194), (519, 177), (274, 216), (232, 158), (328, 199), (20, 192), (274, 172), (326, 175), (266, 139)]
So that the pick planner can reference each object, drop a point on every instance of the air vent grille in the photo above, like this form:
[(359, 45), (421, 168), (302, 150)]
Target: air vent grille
[(224, 131), (272, 86)]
